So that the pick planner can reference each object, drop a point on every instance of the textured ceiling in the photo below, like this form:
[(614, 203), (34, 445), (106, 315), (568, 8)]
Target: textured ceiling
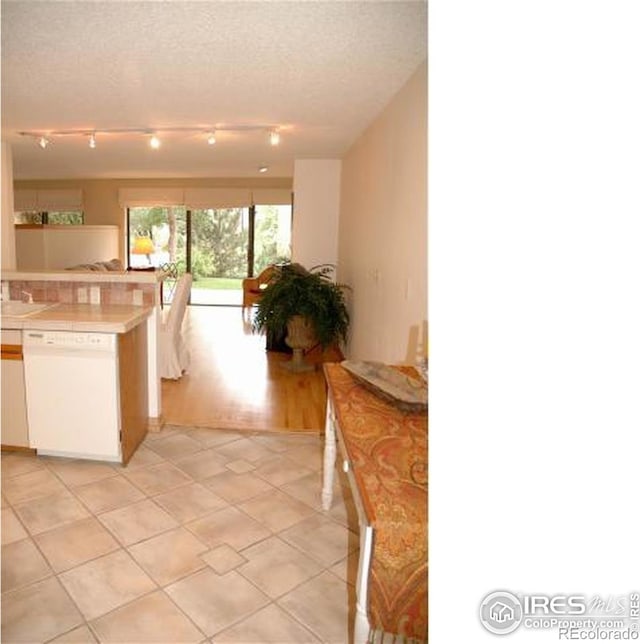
[(322, 71)]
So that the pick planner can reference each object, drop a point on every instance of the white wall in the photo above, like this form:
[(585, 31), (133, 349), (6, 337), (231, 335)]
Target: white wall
[(316, 206), (383, 230), (8, 259), (60, 247)]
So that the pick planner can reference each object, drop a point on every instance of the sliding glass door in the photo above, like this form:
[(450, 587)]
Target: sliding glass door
[(218, 246), (219, 251)]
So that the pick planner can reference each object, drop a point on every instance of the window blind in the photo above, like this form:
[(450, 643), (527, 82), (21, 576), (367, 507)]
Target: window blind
[(48, 200)]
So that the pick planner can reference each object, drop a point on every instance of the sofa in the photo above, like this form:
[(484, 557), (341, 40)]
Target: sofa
[(111, 265)]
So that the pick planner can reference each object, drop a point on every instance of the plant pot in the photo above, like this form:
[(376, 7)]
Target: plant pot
[(300, 336)]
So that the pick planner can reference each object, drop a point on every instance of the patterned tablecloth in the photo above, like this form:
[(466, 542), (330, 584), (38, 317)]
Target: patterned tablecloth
[(387, 449)]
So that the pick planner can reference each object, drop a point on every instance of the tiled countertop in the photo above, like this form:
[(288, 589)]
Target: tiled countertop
[(97, 318), (133, 276)]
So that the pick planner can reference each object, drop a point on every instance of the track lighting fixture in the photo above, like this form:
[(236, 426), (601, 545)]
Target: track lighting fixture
[(43, 139)]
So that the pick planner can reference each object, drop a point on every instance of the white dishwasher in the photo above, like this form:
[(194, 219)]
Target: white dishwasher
[(71, 382)]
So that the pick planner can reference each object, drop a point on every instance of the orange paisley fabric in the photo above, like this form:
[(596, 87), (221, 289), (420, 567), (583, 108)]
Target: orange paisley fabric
[(387, 448)]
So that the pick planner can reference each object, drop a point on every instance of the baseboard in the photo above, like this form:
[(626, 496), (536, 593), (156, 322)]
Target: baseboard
[(155, 423), (18, 448)]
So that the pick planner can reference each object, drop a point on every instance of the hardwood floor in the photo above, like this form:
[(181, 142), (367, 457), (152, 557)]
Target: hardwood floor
[(234, 383)]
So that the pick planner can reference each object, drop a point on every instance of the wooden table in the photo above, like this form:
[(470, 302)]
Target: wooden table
[(384, 453)]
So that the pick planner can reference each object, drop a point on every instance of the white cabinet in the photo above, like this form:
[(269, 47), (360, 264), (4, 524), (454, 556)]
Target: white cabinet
[(15, 429)]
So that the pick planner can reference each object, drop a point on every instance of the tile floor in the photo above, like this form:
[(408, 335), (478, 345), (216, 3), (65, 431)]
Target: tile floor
[(206, 536)]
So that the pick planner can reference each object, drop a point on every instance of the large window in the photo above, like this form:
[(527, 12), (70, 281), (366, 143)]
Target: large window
[(71, 217), (218, 246)]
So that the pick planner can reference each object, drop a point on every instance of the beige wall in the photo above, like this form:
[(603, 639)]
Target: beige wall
[(316, 194), (382, 247), (8, 259), (101, 195)]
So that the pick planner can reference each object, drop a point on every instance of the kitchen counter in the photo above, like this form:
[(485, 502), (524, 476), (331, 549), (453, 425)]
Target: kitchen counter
[(133, 276), (96, 318)]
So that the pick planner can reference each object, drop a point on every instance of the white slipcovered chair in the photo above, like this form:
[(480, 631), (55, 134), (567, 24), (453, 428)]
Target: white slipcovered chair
[(174, 355)]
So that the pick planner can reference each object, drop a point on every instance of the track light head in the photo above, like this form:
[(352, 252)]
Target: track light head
[(274, 137), (43, 142), (263, 168), (211, 138), (92, 141), (154, 142)]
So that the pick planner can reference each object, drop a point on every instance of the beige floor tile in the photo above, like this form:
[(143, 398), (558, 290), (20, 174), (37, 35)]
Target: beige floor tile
[(175, 446), (166, 431), (75, 543), (276, 567), (103, 584), (50, 512), (215, 602), (14, 464), (210, 437), (203, 464), (12, 529), (308, 489), (22, 564), (276, 443), (230, 526), (276, 510), (223, 559), (33, 485), (108, 494), (240, 466), (347, 568), (142, 457), (325, 605), (322, 539), (190, 502), (78, 472), (37, 613), (138, 521), (80, 635), (245, 448), (156, 479), (281, 470), (309, 455), (270, 625), (237, 487), (170, 556), (153, 618)]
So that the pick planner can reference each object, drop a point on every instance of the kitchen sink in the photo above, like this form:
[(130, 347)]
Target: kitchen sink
[(18, 309)]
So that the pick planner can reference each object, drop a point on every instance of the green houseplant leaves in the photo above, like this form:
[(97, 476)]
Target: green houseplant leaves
[(294, 290)]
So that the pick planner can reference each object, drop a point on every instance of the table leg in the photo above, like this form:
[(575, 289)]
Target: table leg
[(361, 626), (329, 459)]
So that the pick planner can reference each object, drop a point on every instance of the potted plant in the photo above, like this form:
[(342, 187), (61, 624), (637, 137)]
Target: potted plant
[(307, 306)]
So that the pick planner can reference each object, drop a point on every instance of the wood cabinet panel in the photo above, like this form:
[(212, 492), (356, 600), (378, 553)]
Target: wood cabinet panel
[(132, 371)]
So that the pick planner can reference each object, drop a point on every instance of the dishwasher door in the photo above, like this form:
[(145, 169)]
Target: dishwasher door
[(71, 381)]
